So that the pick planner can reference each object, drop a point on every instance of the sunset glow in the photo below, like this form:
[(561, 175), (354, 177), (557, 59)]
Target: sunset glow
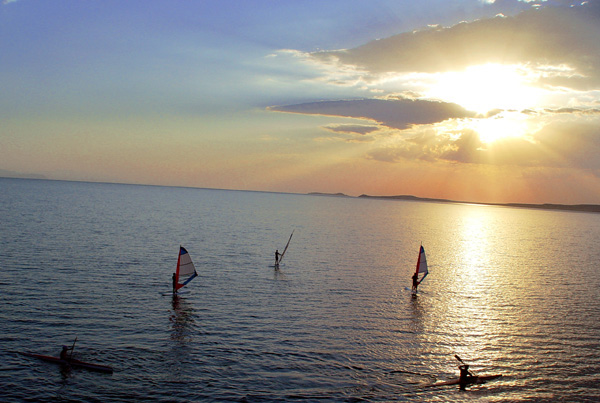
[(486, 87), (351, 96), (501, 126)]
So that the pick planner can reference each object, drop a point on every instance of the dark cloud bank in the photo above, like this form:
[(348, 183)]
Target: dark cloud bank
[(394, 113)]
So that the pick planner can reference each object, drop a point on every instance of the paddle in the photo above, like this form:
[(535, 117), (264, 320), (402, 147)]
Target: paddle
[(463, 363), (72, 348)]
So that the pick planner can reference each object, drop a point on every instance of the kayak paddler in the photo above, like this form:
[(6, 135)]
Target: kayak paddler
[(64, 354), (466, 377)]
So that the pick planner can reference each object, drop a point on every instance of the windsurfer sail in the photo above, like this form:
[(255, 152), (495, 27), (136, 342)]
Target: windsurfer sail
[(421, 271), (278, 260), (185, 271)]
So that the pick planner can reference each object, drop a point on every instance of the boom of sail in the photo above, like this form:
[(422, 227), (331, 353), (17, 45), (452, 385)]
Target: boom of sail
[(185, 271)]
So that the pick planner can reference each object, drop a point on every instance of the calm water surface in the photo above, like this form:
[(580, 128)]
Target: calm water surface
[(512, 291)]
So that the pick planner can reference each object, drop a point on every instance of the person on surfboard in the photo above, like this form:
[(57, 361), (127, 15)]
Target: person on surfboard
[(415, 282), (277, 254), (174, 283), (466, 377)]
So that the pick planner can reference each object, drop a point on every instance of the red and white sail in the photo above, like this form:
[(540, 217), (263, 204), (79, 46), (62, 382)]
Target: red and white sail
[(185, 271)]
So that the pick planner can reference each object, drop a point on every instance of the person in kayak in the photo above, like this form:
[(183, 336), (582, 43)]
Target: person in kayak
[(466, 377), (64, 354), (277, 254)]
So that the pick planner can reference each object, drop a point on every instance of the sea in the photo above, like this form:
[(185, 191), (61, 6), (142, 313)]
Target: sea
[(510, 291)]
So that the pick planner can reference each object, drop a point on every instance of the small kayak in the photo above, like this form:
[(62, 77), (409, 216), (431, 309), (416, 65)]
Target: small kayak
[(472, 381), (72, 363)]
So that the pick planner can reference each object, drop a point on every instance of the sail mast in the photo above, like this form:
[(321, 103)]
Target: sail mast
[(419, 260), (286, 247), (178, 264)]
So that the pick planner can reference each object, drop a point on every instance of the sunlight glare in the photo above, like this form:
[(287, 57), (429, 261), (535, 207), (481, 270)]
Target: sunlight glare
[(486, 87), (501, 126)]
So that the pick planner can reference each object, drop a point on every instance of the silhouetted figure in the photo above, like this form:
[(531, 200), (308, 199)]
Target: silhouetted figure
[(174, 283), (415, 282), (64, 354), (277, 254), (466, 377)]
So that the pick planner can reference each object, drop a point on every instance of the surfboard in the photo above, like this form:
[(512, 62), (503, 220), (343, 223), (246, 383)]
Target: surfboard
[(168, 293)]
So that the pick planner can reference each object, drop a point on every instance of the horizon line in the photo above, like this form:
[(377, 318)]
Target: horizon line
[(581, 207)]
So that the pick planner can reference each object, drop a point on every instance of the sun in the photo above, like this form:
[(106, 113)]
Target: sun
[(501, 126), (483, 88)]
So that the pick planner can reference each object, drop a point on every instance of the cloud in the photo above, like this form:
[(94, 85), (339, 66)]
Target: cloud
[(559, 42), (552, 48), (571, 144), (351, 129), (394, 113), (581, 111), (424, 144), (565, 144)]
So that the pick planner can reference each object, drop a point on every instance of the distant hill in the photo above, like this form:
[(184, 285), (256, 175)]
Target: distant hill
[(413, 198), (589, 208), (328, 194), (5, 173)]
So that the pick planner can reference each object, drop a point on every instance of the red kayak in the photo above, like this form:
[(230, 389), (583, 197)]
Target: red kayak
[(72, 363), (471, 381)]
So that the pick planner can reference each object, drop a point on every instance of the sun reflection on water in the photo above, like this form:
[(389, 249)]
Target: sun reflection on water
[(469, 312)]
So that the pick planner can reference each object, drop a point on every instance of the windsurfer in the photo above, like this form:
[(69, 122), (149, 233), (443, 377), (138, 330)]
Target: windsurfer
[(466, 377), (415, 282), (277, 254), (174, 283)]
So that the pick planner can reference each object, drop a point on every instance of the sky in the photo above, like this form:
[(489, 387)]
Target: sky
[(471, 100)]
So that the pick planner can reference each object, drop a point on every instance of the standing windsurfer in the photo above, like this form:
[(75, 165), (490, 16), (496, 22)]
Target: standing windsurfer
[(277, 254), (415, 281), (174, 283)]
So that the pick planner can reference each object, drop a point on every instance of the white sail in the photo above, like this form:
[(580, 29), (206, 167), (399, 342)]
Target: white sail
[(421, 270)]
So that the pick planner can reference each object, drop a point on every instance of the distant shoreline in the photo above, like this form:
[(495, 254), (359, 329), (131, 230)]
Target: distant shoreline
[(586, 208)]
